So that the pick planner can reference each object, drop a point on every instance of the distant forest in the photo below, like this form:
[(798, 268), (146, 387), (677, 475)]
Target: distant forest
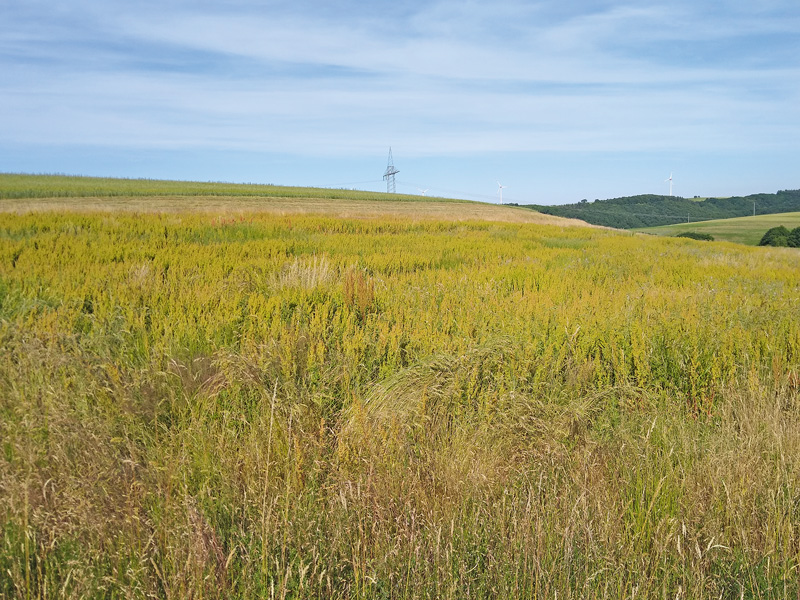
[(650, 210)]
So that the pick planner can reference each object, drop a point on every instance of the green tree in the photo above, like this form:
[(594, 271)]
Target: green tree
[(794, 238), (777, 236)]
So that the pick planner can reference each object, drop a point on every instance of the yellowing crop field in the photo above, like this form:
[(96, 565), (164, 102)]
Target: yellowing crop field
[(217, 404)]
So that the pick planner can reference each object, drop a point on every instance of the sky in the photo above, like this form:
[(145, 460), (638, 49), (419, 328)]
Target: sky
[(558, 101)]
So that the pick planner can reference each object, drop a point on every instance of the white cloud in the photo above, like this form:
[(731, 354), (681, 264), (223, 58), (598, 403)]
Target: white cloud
[(452, 77)]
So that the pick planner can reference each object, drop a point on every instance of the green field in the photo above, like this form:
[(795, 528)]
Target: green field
[(230, 397), (64, 186), (742, 230)]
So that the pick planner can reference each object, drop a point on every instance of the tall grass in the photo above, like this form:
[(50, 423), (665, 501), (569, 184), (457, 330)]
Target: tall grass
[(321, 408)]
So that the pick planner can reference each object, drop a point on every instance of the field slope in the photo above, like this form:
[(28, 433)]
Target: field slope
[(27, 193), (200, 403), (742, 230)]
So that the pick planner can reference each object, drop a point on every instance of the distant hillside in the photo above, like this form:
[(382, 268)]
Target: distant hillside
[(654, 211), (742, 230)]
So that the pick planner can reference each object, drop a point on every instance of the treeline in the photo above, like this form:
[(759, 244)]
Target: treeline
[(651, 210)]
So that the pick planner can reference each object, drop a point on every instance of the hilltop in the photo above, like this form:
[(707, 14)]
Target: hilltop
[(650, 210), (27, 193)]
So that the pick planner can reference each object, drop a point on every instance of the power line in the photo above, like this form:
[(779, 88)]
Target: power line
[(355, 182), (456, 193)]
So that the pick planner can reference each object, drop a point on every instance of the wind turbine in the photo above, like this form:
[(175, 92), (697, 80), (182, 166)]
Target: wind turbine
[(422, 192), (500, 187), (670, 183)]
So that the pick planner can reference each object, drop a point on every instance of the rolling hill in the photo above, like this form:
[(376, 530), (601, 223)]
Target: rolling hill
[(742, 230), (26, 193), (654, 211)]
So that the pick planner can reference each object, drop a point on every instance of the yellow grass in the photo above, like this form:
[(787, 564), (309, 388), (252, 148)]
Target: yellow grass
[(207, 398)]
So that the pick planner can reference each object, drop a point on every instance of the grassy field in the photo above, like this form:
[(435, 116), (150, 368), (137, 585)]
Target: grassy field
[(26, 193), (64, 186), (742, 230), (213, 404)]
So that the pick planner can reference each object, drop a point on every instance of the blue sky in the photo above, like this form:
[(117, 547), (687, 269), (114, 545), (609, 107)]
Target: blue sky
[(559, 101)]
